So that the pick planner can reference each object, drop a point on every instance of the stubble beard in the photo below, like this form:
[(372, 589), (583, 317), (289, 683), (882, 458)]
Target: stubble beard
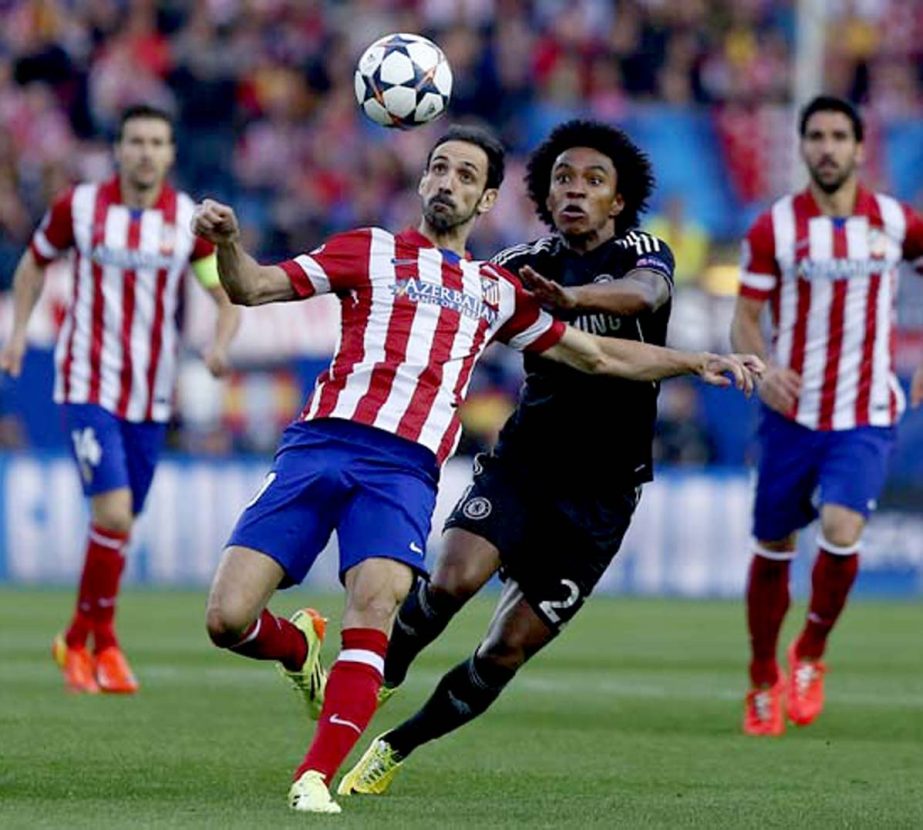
[(831, 186)]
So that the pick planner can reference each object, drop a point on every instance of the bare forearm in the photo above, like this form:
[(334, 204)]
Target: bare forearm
[(238, 271), (747, 336), (28, 281), (623, 300), (646, 362), (227, 323)]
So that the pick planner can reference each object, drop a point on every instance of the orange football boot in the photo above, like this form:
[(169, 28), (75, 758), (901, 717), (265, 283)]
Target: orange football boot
[(113, 674), (763, 713), (76, 665), (805, 698)]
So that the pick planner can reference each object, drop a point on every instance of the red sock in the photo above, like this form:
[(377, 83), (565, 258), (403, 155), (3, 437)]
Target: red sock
[(273, 638), (349, 701), (99, 589), (767, 602), (831, 579)]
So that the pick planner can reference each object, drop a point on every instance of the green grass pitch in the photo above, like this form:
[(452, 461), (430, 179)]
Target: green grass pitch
[(631, 719)]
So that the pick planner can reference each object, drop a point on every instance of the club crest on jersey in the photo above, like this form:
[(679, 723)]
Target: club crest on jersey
[(878, 244), (490, 291), (167, 240), (421, 291), (477, 508)]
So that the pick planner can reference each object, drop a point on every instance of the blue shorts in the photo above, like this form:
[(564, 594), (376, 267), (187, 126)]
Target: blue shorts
[(377, 491), (111, 452), (801, 469)]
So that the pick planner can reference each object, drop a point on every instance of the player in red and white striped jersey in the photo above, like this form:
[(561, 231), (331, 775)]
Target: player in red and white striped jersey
[(826, 261), (116, 357), (364, 457)]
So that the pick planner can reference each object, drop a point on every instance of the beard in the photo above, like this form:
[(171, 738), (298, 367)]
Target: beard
[(443, 221), (831, 185)]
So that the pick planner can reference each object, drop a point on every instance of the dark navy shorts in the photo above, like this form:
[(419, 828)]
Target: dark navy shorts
[(376, 490), (111, 452), (801, 469), (554, 547)]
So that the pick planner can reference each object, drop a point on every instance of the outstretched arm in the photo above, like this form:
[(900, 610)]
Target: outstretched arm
[(28, 281), (244, 279), (643, 361), (639, 291)]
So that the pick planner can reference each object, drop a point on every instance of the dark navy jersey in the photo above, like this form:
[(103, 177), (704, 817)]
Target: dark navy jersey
[(571, 430)]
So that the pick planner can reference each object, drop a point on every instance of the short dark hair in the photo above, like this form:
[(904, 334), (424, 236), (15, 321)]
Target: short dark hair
[(830, 103), (487, 141), (143, 111), (635, 176)]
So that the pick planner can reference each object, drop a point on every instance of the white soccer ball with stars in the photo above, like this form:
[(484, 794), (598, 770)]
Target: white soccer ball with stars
[(403, 80)]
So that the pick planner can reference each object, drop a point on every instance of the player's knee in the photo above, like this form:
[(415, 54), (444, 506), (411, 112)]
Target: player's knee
[(504, 656), (841, 529), (843, 540), (453, 585), (115, 519), (225, 628)]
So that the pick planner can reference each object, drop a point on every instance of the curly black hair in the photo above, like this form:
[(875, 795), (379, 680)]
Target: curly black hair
[(635, 175)]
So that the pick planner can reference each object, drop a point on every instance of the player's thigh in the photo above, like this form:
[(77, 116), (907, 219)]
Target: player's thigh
[(241, 588), (852, 475), (560, 561), (112, 510), (293, 513), (491, 516), (387, 516), (143, 443), (98, 448), (375, 588), (787, 477), (516, 631)]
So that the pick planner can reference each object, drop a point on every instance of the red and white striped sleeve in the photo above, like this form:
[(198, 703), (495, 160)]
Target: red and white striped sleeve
[(340, 264), (913, 239), (55, 235), (531, 328), (759, 269)]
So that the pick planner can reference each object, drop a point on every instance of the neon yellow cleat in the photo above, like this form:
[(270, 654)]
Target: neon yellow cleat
[(310, 680), (309, 794), (374, 772)]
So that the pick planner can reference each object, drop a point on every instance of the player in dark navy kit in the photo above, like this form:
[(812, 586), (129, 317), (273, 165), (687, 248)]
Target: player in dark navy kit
[(534, 512)]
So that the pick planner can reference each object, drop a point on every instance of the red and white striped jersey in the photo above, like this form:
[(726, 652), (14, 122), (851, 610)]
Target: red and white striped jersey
[(118, 345), (831, 283), (415, 319)]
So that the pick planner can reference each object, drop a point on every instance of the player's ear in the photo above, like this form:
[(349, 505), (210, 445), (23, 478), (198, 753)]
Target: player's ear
[(617, 206), (860, 153), (488, 199)]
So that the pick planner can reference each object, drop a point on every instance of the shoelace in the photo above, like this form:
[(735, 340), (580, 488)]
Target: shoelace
[(762, 702), (381, 763), (804, 676)]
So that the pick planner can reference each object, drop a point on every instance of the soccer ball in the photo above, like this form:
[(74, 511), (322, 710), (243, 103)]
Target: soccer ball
[(403, 81)]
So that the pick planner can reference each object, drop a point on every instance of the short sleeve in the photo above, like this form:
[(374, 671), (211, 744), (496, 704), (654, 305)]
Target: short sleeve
[(340, 264), (55, 235), (530, 328), (913, 239), (759, 269), (648, 253)]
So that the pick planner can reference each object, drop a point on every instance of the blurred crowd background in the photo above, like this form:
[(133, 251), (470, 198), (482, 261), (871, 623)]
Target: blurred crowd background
[(262, 93)]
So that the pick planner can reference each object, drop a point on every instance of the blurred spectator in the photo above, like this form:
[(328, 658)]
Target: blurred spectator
[(681, 437), (688, 240), (263, 95)]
